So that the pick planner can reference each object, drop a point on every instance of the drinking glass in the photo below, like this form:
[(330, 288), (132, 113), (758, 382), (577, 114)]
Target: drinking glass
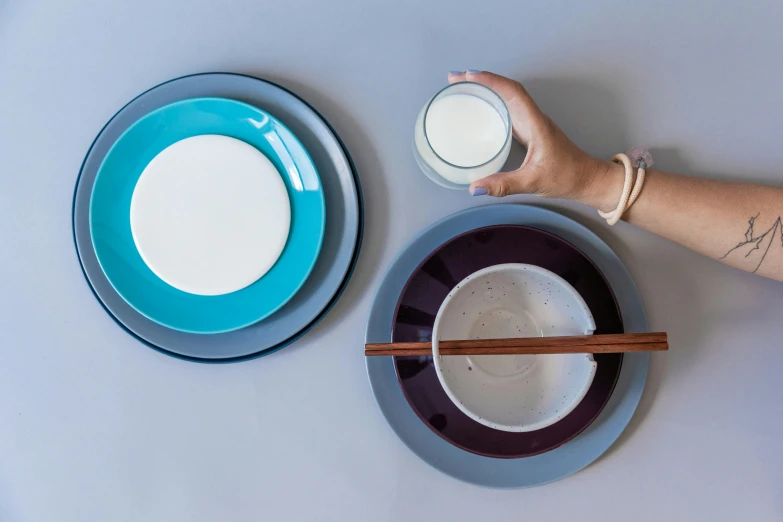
[(448, 174)]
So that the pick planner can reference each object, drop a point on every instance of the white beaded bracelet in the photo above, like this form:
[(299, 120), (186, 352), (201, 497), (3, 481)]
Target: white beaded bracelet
[(633, 184)]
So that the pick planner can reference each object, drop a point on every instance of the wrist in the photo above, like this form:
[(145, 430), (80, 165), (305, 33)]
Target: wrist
[(605, 185)]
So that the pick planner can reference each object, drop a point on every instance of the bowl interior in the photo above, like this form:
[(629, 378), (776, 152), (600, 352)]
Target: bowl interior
[(514, 392)]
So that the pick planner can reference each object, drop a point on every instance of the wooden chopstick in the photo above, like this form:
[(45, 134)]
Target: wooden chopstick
[(610, 343)]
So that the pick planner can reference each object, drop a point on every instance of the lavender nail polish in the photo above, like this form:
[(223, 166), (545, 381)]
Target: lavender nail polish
[(473, 71), (455, 73), (479, 191)]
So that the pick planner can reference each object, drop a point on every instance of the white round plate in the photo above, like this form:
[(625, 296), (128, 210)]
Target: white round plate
[(210, 215), (514, 392)]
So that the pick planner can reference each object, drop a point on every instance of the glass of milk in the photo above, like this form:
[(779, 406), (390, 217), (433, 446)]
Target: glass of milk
[(462, 134)]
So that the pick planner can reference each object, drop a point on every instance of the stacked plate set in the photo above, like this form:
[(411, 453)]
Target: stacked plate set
[(501, 271), (217, 217)]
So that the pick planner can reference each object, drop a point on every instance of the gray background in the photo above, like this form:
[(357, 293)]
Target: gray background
[(94, 426)]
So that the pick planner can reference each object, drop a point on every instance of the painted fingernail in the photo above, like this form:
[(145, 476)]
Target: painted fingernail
[(455, 73), (473, 71), (478, 191)]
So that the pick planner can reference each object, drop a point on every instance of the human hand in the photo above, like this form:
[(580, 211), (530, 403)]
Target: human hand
[(554, 167)]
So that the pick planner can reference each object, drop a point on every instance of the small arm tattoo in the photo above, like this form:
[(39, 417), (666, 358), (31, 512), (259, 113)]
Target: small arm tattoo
[(755, 247)]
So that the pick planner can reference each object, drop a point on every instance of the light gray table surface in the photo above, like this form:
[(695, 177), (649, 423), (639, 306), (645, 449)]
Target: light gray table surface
[(96, 427)]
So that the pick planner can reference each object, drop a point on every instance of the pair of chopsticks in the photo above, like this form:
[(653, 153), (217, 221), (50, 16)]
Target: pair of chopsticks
[(611, 343)]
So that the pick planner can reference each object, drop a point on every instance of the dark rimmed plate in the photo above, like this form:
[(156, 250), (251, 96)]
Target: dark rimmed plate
[(547, 467), (438, 274), (342, 239)]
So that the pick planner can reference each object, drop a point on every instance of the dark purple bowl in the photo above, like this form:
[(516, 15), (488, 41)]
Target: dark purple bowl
[(429, 285)]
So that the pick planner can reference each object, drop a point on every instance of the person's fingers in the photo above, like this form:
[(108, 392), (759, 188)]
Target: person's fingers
[(526, 117), (502, 184), (457, 76), (511, 91)]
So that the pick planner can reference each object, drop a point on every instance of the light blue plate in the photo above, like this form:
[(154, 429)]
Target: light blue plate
[(506, 473), (110, 215)]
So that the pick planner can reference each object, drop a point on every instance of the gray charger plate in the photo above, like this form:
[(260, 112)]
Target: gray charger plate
[(342, 238), (485, 471)]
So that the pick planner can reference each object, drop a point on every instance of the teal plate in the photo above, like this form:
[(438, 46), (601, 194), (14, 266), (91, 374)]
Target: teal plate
[(110, 215)]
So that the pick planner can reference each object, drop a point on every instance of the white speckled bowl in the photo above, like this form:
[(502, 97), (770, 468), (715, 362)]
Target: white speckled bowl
[(514, 392)]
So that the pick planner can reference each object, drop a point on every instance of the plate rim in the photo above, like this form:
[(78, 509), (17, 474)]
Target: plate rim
[(232, 296), (503, 473), (341, 288)]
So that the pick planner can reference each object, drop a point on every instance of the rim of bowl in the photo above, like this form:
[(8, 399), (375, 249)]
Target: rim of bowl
[(436, 351)]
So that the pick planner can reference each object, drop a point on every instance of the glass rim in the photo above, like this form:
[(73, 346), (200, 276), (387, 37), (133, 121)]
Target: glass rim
[(427, 138)]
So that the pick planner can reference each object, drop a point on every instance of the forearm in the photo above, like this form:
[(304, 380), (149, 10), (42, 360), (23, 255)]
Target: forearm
[(740, 224), (737, 223)]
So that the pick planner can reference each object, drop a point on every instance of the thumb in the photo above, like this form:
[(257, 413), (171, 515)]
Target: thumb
[(502, 184)]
